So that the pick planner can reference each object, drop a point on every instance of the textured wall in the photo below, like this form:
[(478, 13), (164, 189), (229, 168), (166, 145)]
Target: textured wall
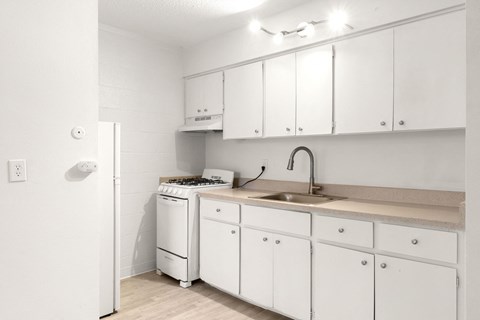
[(141, 87)]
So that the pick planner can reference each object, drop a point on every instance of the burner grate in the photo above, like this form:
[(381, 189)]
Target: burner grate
[(195, 181)]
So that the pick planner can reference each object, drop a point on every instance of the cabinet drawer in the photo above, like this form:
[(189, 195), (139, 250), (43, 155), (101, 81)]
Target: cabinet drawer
[(279, 220), (172, 265), (354, 232), (224, 211), (423, 243)]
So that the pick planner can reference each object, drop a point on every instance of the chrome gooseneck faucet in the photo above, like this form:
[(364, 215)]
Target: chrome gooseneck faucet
[(312, 166)]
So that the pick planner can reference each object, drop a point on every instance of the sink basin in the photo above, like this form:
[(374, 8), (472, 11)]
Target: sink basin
[(300, 198)]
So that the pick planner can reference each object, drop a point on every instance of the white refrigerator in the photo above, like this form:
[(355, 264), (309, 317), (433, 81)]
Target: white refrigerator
[(109, 210)]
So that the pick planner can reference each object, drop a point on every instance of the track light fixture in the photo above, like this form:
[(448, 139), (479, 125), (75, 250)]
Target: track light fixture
[(337, 21)]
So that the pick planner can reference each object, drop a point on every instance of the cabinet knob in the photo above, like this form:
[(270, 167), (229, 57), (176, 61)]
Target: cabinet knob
[(277, 241), (401, 122), (265, 239), (364, 262), (300, 129), (288, 129), (414, 241), (341, 230), (199, 110), (256, 130), (233, 232), (205, 110), (218, 210), (383, 123), (383, 265)]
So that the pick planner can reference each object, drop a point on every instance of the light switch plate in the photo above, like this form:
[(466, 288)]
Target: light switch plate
[(17, 170)]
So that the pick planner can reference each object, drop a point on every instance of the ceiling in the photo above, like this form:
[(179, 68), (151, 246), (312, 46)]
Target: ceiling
[(187, 22)]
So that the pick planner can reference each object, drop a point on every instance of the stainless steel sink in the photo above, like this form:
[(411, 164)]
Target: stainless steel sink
[(299, 198)]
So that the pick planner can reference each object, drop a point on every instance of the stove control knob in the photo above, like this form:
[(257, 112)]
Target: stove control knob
[(168, 190), (174, 191), (180, 192)]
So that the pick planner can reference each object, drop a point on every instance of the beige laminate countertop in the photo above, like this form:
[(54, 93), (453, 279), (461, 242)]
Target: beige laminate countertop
[(448, 218)]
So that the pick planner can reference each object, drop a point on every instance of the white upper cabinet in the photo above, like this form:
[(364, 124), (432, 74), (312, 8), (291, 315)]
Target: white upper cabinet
[(430, 73), (243, 116), (364, 83), (314, 91), (280, 96), (204, 95)]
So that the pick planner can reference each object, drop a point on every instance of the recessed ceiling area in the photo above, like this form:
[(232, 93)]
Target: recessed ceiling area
[(187, 22)]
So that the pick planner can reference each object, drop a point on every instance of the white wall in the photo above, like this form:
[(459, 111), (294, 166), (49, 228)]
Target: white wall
[(241, 44), (424, 160), (49, 225), (141, 87), (473, 160)]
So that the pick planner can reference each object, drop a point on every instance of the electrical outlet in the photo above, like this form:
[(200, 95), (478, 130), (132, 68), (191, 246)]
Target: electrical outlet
[(265, 164), (17, 170)]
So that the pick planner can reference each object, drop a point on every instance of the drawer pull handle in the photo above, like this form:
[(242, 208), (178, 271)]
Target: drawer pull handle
[(277, 241), (265, 239), (218, 210), (383, 265), (232, 232), (364, 262), (341, 230), (414, 241)]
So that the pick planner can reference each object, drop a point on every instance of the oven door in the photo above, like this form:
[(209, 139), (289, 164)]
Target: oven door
[(172, 225)]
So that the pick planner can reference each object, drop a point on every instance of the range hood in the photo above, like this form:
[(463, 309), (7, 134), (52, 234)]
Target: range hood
[(203, 124)]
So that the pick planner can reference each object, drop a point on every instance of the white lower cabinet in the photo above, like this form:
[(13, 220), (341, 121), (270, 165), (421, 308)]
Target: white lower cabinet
[(276, 272), (220, 255), (413, 290), (257, 266), (344, 284)]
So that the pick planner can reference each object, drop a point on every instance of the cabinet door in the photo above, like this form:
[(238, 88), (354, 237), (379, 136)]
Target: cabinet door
[(193, 97), (243, 114), (292, 276), (430, 73), (344, 284), (204, 95), (314, 91), (364, 83), (413, 290), (257, 266), (280, 96), (220, 255), (213, 93)]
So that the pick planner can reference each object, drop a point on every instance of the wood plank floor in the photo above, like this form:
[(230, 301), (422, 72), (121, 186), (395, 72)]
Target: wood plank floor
[(151, 297)]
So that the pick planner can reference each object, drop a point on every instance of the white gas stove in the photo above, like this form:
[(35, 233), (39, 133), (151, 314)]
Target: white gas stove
[(177, 223)]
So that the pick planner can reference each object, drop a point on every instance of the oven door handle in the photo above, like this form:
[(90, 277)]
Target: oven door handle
[(173, 202)]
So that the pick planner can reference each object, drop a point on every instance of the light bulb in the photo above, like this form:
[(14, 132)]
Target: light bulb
[(278, 38), (305, 29), (337, 20), (255, 26)]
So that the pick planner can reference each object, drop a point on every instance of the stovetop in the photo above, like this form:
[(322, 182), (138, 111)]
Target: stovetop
[(195, 182), (185, 187)]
